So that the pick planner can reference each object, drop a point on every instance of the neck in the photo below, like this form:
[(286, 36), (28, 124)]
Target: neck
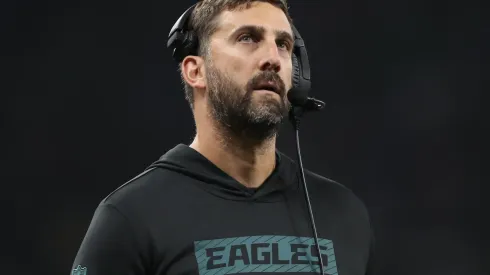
[(248, 162)]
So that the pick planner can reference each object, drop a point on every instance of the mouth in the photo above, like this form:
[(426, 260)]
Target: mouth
[(268, 87)]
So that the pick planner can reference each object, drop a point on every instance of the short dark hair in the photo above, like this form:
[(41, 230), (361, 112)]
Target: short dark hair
[(203, 22)]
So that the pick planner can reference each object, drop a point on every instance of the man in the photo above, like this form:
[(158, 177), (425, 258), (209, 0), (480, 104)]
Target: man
[(230, 202)]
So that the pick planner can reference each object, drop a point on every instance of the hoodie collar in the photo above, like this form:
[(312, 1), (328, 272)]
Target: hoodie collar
[(187, 161)]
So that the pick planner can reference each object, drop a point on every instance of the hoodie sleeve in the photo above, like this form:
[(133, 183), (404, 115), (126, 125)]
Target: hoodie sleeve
[(110, 246)]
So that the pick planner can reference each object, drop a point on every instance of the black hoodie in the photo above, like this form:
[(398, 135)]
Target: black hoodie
[(184, 215)]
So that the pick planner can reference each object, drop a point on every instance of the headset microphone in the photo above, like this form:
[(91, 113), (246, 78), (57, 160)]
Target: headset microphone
[(183, 41), (311, 103)]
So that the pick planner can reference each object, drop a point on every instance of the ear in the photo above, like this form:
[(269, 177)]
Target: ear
[(193, 71)]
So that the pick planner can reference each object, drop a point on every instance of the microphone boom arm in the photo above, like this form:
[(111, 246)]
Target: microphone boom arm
[(313, 104)]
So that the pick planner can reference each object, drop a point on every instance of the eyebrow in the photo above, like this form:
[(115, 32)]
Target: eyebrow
[(261, 30)]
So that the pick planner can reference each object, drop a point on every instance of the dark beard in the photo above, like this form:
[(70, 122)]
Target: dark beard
[(236, 113)]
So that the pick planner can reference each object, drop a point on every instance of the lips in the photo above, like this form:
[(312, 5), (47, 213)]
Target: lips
[(268, 86), (267, 81)]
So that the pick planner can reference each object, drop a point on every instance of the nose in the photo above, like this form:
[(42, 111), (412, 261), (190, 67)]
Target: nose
[(271, 60)]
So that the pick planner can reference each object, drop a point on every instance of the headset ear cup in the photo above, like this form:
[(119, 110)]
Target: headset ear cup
[(189, 45), (295, 72)]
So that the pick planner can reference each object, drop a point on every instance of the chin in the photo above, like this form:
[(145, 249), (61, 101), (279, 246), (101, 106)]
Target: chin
[(267, 114), (267, 98)]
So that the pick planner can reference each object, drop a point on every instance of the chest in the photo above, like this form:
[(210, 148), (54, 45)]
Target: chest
[(223, 237)]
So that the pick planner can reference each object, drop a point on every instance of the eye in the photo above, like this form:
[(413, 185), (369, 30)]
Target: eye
[(284, 44), (246, 38)]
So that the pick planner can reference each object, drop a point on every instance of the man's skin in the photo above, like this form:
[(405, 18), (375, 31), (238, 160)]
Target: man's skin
[(242, 56)]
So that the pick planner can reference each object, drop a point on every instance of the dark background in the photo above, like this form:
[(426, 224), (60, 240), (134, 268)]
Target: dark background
[(90, 97)]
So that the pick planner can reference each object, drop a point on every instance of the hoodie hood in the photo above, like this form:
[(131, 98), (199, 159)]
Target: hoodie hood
[(188, 162)]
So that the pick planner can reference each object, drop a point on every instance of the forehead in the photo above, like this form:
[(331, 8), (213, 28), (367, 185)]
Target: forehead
[(260, 14)]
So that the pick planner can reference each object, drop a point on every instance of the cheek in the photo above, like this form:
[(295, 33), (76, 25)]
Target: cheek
[(236, 65), (287, 72), (229, 61), (240, 71), (234, 61), (288, 78)]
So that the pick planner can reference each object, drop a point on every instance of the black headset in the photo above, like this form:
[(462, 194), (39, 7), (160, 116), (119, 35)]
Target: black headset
[(184, 42)]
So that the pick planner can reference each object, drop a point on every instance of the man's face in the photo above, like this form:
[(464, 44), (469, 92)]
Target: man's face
[(248, 71)]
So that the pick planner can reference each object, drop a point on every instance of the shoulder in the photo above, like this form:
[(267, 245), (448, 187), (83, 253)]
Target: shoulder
[(325, 184), (335, 193), (144, 192), (133, 188), (317, 178)]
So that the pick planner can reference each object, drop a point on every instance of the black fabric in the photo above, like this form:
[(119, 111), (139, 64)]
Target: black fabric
[(184, 215)]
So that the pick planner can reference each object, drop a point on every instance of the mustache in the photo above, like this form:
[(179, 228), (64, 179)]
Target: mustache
[(267, 76)]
